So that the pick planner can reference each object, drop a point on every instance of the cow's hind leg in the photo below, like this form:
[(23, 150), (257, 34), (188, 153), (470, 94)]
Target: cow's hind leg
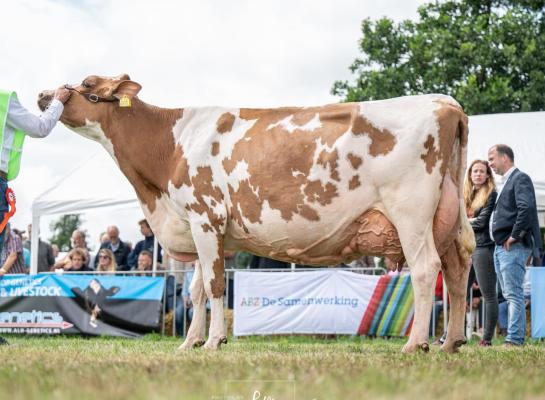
[(455, 271), (424, 265), (414, 224), (195, 334)]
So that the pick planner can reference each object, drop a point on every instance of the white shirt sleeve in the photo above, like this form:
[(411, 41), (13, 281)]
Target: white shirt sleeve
[(36, 126)]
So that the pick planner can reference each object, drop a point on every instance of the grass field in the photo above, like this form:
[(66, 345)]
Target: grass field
[(264, 368)]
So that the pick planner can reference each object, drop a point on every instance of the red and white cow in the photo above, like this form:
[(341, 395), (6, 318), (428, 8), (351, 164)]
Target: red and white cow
[(312, 185)]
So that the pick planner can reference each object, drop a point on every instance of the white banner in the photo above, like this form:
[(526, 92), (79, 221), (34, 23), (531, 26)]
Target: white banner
[(325, 301)]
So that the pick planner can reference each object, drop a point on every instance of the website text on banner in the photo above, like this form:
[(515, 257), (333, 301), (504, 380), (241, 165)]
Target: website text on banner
[(71, 304), (330, 301)]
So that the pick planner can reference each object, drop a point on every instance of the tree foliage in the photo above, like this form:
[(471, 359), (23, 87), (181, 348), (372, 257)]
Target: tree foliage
[(489, 55), (62, 230)]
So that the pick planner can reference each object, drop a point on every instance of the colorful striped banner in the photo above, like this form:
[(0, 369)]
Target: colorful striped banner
[(391, 309)]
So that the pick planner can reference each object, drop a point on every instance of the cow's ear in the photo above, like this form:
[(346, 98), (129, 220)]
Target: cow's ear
[(126, 88)]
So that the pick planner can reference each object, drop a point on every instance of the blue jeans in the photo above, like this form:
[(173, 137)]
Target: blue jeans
[(510, 268)]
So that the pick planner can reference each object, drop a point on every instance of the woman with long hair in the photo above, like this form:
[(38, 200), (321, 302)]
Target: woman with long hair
[(106, 261), (480, 197)]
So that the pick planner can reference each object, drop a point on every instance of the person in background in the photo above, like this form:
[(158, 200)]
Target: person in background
[(145, 263), (106, 261), (56, 251), (118, 247), (46, 259), (480, 198), (514, 227), (11, 258), (77, 241), (77, 261), (146, 244)]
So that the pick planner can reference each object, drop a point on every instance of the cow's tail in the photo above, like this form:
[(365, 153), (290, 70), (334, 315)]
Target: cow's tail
[(465, 241)]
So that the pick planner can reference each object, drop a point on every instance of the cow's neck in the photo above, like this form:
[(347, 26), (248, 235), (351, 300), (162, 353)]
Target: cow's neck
[(144, 147)]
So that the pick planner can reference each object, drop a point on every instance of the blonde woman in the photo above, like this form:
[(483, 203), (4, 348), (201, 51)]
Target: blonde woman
[(106, 261), (480, 197)]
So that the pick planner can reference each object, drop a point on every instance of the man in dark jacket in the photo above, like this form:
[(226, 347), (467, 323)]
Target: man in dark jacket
[(514, 227), (120, 249), (46, 259), (146, 244)]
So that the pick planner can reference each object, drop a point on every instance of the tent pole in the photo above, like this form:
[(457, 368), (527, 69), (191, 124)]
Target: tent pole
[(34, 243), (155, 255)]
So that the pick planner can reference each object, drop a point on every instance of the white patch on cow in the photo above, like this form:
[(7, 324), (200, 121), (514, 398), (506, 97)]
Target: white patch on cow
[(170, 224), (289, 126), (93, 130)]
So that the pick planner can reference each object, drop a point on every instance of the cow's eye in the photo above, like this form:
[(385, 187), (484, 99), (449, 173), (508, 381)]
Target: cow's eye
[(85, 85)]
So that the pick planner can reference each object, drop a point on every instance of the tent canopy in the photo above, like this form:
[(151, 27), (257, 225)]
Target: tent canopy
[(524, 133)]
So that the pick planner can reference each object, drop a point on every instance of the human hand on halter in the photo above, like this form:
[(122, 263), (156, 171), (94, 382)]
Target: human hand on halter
[(62, 95)]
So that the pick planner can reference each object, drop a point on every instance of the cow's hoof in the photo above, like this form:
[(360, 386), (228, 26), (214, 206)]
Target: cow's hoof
[(189, 344), (425, 347), (413, 348), (453, 346), (214, 343)]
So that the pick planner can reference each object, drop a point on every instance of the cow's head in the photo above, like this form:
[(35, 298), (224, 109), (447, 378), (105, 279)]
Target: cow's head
[(91, 99)]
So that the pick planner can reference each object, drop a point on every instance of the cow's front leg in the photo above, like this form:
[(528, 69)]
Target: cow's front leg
[(209, 244), (195, 334)]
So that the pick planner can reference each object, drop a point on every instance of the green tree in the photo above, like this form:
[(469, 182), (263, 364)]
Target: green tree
[(489, 55), (62, 230)]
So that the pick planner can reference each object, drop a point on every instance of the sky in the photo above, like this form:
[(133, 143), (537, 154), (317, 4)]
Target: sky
[(260, 53)]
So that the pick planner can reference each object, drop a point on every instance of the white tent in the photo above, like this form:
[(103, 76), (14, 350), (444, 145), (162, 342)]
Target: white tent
[(524, 133), (98, 182)]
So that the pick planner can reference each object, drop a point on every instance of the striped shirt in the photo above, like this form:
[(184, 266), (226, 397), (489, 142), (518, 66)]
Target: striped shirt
[(12, 244)]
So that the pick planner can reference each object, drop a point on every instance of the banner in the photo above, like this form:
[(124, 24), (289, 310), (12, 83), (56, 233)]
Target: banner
[(537, 299), (73, 304), (330, 301)]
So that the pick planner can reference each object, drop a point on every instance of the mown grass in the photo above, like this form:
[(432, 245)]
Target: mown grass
[(281, 368)]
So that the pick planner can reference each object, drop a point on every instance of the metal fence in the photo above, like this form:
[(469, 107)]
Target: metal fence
[(174, 279)]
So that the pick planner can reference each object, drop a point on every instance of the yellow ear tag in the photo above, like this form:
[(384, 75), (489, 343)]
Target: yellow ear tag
[(124, 101)]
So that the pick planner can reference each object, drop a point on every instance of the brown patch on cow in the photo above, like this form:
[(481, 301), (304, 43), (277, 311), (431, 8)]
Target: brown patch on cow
[(225, 123), (302, 118), (215, 149), (218, 282), (452, 123), (382, 140), (355, 160), (323, 194), (309, 213), (203, 186), (180, 176), (431, 155), (354, 182), (206, 228), (279, 173), (330, 158), (245, 199), (140, 134)]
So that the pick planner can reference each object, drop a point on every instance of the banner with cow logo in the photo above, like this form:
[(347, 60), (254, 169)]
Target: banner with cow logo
[(330, 301), (72, 304)]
